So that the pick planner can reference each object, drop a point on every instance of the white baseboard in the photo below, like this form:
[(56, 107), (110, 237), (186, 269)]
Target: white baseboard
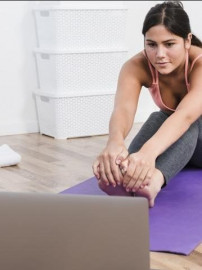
[(19, 128)]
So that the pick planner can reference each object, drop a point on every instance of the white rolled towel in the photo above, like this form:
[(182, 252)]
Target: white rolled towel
[(8, 157)]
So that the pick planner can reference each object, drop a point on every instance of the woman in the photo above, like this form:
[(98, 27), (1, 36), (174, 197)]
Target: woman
[(171, 68)]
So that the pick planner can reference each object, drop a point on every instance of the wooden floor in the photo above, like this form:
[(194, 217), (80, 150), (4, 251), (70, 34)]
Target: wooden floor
[(50, 165)]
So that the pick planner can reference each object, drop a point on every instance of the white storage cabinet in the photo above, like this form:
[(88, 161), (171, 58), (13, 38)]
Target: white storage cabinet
[(80, 28), (79, 56), (63, 116), (80, 71)]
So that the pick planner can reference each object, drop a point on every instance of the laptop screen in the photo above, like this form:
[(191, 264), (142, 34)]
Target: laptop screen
[(76, 232)]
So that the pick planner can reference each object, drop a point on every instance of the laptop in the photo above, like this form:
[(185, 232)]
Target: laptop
[(73, 232)]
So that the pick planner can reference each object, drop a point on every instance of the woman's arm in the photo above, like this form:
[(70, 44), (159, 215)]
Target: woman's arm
[(129, 85), (125, 103)]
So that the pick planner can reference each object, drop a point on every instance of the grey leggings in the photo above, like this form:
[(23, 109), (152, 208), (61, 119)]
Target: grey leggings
[(187, 150)]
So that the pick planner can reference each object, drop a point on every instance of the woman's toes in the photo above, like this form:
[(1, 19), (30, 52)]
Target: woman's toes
[(101, 185), (114, 191)]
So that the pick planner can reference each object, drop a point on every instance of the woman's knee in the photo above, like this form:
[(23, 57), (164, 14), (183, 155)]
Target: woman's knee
[(148, 129), (158, 116), (192, 133), (196, 159), (178, 155)]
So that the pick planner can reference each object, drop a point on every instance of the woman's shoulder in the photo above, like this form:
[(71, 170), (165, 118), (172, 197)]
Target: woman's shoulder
[(137, 60), (194, 53), (138, 65)]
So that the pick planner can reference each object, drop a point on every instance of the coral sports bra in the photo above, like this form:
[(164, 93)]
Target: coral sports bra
[(154, 88)]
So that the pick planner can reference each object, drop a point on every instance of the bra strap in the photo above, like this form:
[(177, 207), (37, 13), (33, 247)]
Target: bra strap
[(192, 65), (151, 69), (186, 69)]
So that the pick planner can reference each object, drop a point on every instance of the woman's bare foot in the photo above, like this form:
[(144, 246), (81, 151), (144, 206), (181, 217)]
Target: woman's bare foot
[(150, 191), (114, 191)]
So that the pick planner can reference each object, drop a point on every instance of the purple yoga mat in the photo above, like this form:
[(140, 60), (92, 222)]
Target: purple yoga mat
[(176, 219)]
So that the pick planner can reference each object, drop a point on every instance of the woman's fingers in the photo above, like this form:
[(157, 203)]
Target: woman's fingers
[(110, 171), (95, 168), (139, 170), (138, 175), (106, 167), (103, 176), (106, 170), (147, 179), (115, 169), (124, 166), (129, 174), (136, 178), (140, 180), (121, 157), (121, 175)]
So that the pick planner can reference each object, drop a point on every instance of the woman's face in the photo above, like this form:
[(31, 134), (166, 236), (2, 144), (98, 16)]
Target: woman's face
[(165, 50)]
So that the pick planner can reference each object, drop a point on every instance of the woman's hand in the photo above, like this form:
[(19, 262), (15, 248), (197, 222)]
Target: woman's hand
[(138, 169), (106, 166)]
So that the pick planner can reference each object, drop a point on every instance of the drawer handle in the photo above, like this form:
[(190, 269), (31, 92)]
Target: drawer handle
[(44, 13), (44, 99), (45, 56)]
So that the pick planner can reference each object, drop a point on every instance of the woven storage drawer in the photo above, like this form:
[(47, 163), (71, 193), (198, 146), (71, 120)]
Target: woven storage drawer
[(64, 117), (81, 28), (76, 72)]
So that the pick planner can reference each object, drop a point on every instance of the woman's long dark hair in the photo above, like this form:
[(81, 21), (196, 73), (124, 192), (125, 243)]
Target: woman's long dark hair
[(172, 15)]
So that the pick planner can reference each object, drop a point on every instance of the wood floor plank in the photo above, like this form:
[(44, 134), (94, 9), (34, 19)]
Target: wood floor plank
[(34, 153)]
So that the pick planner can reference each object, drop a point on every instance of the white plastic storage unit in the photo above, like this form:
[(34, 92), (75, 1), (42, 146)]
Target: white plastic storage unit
[(79, 56), (64, 116), (78, 72)]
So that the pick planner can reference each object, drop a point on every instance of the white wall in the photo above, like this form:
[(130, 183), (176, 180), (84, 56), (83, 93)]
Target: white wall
[(17, 66), (17, 70)]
